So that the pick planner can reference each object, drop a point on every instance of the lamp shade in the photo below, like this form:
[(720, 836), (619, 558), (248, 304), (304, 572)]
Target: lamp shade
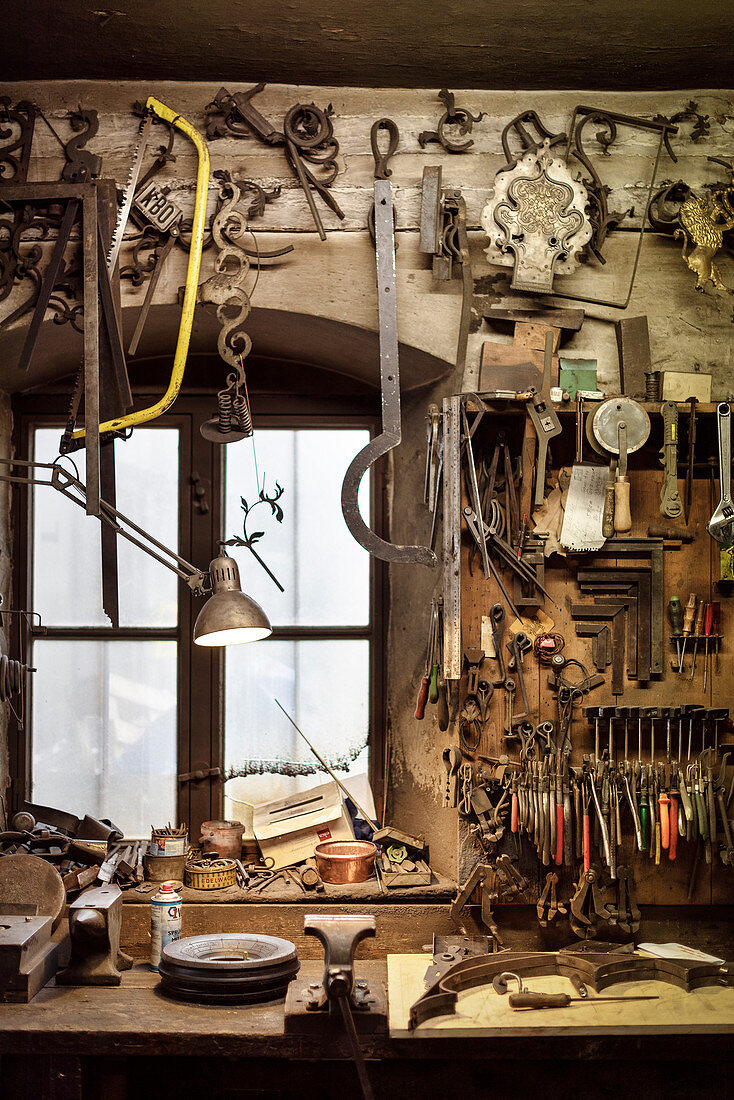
[(229, 617)]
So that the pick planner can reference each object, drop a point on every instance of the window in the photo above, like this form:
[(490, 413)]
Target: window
[(118, 719), (318, 662), (104, 708)]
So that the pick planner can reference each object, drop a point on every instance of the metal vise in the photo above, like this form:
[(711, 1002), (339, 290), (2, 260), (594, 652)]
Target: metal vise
[(95, 919), (340, 936)]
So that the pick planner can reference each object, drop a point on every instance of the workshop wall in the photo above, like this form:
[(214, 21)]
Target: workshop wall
[(333, 283)]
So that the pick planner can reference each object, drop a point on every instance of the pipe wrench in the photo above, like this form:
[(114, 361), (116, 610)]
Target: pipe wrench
[(670, 502)]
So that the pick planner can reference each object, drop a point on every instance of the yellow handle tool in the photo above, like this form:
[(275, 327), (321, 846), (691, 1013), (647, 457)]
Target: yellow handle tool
[(192, 279)]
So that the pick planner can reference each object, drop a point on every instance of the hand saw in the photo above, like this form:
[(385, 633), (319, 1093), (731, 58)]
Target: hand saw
[(142, 416)]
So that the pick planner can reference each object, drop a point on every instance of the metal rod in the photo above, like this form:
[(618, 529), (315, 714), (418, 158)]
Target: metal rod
[(326, 768)]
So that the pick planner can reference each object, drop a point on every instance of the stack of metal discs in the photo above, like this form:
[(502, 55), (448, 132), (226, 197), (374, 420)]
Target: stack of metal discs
[(228, 968)]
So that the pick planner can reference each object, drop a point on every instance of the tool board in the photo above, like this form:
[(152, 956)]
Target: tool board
[(687, 567)]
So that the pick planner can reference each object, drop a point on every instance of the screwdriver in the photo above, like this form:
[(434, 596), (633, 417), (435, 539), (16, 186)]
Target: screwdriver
[(688, 618), (675, 614), (528, 999), (708, 621), (697, 633), (716, 630)]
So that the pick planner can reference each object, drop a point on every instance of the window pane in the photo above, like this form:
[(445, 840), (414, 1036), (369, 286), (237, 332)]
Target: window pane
[(324, 572), (324, 687), (104, 730), (67, 572)]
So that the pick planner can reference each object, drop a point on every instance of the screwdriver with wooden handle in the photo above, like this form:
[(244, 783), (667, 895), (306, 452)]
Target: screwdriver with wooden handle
[(528, 999), (688, 617)]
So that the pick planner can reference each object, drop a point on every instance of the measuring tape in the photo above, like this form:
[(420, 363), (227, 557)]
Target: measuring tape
[(210, 874)]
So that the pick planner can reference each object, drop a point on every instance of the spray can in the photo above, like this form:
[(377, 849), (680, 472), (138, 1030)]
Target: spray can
[(165, 921)]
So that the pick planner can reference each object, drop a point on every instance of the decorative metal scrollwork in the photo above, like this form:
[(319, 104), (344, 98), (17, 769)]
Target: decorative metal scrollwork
[(458, 118), (248, 541)]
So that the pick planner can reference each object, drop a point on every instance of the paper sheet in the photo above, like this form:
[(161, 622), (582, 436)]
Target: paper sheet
[(584, 508)]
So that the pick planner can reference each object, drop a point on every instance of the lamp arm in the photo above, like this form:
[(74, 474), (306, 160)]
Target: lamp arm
[(76, 491)]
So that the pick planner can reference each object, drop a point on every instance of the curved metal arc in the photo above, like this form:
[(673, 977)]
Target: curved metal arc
[(391, 434), (597, 971)]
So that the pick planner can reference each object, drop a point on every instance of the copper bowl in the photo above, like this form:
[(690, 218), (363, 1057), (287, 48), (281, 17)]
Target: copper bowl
[(341, 861)]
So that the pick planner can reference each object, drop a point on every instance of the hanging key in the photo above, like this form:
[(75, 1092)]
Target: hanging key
[(670, 502)]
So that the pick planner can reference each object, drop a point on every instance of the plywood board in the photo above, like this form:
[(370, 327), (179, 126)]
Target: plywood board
[(482, 1012)]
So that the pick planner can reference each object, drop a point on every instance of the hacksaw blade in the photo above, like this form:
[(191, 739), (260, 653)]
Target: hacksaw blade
[(129, 193)]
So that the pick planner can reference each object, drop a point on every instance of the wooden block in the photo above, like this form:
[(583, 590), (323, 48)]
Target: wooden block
[(633, 345), (679, 385), (533, 336), (512, 367)]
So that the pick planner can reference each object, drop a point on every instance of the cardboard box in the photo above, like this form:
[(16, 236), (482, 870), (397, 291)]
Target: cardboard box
[(289, 829)]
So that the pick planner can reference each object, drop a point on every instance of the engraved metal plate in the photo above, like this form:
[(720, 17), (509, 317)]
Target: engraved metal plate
[(536, 220)]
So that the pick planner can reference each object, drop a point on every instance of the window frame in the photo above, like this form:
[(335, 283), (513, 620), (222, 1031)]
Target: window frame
[(201, 717)]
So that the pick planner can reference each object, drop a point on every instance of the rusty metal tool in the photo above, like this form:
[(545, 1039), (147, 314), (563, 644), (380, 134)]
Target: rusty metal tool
[(612, 612), (688, 500), (528, 999), (545, 420), (391, 434), (652, 549), (675, 615)]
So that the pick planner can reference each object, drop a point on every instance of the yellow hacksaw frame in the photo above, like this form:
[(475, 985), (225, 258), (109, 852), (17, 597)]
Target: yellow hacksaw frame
[(141, 416)]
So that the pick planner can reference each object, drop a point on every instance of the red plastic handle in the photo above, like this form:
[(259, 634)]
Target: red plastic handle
[(420, 706), (513, 814), (587, 844)]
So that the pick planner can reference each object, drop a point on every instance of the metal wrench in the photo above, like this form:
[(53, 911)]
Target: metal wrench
[(720, 526), (518, 647), (670, 502)]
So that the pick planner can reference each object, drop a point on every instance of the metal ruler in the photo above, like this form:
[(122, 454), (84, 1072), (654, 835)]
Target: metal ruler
[(452, 653)]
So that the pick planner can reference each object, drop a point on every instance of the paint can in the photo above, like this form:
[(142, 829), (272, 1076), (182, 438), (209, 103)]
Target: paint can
[(165, 921)]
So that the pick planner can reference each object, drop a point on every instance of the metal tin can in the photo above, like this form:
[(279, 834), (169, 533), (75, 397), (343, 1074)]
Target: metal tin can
[(165, 921), (163, 845)]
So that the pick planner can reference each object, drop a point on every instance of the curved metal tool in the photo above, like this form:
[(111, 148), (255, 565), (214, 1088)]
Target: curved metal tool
[(391, 434), (381, 169), (721, 524)]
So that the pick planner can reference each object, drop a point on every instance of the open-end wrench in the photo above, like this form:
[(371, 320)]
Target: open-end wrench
[(510, 688), (543, 415), (670, 502), (721, 524), (497, 619)]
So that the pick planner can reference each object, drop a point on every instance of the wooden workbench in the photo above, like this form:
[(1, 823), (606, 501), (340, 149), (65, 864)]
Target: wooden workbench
[(75, 1043)]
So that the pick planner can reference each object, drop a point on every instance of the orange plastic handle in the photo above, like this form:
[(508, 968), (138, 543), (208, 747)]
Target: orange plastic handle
[(664, 804)]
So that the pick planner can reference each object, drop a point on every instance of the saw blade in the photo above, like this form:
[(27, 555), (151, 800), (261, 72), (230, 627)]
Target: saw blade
[(129, 194)]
